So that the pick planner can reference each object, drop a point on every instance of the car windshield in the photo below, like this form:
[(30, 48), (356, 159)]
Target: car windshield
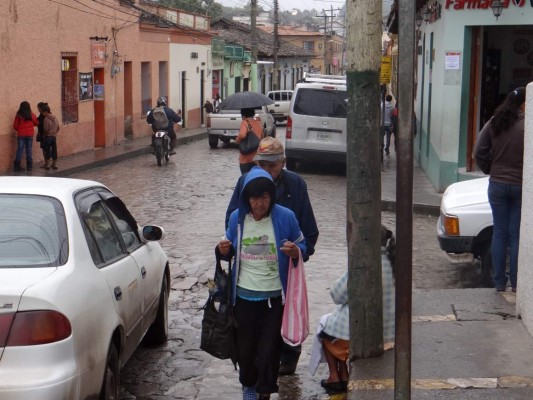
[(32, 232), (321, 103)]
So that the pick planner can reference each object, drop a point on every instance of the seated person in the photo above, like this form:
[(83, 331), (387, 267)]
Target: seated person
[(332, 343)]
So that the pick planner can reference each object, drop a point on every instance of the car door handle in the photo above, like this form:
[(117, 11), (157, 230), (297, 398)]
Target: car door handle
[(118, 292), (143, 272)]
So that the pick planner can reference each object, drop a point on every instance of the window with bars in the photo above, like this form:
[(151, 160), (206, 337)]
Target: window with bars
[(69, 88)]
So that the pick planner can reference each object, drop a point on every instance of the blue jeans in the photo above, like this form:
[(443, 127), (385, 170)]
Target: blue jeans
[(21, 143), (506, 204), (386, 139)]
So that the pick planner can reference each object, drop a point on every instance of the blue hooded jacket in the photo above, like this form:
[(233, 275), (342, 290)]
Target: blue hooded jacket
[(285, 228)]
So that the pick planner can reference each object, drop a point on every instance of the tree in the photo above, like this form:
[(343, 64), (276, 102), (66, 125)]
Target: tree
[(364, 179)]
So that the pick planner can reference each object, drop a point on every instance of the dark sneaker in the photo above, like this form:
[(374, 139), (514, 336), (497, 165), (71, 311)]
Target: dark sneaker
[(286, 369)]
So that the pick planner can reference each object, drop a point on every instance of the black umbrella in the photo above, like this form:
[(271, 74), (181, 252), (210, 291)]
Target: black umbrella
[(242, 100)]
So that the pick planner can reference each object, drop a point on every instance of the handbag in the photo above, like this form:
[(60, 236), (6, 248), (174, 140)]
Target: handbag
[(295, 322), (218, 323), (250, 143)]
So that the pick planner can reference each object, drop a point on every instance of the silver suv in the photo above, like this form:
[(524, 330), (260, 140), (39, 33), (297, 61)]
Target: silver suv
[(316, 126)]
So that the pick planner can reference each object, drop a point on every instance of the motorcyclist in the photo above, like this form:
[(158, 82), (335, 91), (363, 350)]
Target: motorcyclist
[(172, 117)]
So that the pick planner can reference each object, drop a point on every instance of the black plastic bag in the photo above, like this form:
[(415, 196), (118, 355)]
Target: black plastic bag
[(218, 323), (250, 143)]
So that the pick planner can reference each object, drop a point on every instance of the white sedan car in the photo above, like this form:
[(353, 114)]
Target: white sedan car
[(80, 285), (465, 223)]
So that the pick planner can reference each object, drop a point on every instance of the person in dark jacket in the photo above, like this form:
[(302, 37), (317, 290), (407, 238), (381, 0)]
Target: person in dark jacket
[(291, 192), (499, 152), (172, 117)]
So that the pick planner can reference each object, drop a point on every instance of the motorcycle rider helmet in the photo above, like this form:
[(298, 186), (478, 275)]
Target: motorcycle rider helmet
[(162, 101)]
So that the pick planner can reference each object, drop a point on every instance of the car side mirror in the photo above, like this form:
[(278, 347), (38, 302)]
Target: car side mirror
[(153, 233)]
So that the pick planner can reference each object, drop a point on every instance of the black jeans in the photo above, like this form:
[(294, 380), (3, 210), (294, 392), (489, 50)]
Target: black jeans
[(259, 342), (50, 147)]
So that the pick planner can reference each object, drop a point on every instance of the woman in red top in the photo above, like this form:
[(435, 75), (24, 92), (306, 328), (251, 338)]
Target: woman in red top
[(24, 124), (246, 161)]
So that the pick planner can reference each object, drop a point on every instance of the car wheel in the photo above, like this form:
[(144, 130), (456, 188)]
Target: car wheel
[(213, 142), (111, 384), (158, 331), (273, 131), (291, 164), (486, 265)]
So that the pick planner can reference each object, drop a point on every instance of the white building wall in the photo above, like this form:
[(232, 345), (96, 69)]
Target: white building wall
[(180, 60), (449, 35), (524, 295)]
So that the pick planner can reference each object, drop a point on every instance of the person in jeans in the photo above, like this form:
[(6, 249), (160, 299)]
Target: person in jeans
[(387, 122), (49, 139), (499, 152), (24, 124)]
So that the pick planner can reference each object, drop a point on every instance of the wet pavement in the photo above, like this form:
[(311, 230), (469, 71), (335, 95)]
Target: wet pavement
[(188, 198)]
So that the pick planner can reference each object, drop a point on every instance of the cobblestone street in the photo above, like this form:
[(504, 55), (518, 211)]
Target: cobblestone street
[(189, 199)]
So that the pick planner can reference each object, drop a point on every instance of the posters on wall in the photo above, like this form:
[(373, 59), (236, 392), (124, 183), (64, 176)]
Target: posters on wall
[(86, 86), (98, 92)]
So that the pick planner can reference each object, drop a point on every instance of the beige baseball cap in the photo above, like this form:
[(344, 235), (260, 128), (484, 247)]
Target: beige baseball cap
[(270, 149)]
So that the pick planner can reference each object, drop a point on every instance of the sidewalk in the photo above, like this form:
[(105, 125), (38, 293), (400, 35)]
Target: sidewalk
[(104, 156)]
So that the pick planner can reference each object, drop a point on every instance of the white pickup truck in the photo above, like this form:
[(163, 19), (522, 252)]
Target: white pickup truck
[(280, 108), (465, 224), (225, 125)]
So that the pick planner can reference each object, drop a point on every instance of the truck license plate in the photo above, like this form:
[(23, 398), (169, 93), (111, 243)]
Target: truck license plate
[(323, 136), (231, 132)]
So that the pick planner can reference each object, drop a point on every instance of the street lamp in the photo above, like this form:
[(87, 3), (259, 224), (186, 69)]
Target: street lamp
[(497, 8)]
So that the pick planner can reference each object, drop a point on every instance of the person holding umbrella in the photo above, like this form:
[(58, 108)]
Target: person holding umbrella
[(248, 123), (247, 102)]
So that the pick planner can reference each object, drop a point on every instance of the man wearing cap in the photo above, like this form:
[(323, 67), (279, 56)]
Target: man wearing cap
[(291, 192)]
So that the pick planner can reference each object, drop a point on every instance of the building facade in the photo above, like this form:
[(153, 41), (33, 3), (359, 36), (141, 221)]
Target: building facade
[(99, 65), (467, 60)]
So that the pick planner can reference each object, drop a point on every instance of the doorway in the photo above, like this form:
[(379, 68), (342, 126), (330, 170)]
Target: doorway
[(128, 100), (99, 108), (501, 61), (183, 97)]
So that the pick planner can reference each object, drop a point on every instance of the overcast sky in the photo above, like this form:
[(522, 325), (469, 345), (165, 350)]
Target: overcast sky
[(288, 5)]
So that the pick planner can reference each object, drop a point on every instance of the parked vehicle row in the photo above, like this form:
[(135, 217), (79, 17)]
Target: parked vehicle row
[(81, 285)]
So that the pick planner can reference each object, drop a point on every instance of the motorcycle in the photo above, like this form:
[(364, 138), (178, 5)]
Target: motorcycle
[(162, 146)]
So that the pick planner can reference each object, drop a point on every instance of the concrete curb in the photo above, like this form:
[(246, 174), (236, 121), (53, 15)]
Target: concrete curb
[(421, 209)]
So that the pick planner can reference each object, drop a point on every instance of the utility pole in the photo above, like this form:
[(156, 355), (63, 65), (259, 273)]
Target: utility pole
[(325, 16), (253, 28), (404, 201), (363, 172), (275, 47)]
